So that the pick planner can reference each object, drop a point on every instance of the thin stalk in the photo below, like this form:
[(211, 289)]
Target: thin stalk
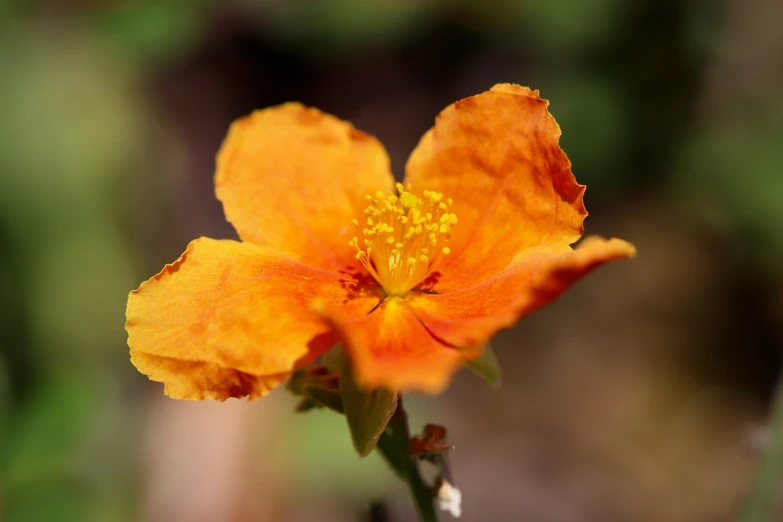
[(761, 504), (393, 445)]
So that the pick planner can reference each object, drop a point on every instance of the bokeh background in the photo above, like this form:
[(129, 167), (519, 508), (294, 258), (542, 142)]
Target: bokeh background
[(641, 395)]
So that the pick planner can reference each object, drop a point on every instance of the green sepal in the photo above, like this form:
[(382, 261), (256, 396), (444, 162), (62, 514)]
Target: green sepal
[(486, 366), (305, 405), (331, 359), (297, 381), (324, 396), (367, 411), (318, 387)]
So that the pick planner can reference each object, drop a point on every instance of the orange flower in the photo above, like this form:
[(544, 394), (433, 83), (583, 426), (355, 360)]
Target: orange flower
[(413, 282)]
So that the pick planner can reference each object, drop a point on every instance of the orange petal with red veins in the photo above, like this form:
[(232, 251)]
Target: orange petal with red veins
[(390, 348), (292, 178), (231, 319), (469, 317), (195, 380), (497, 156)]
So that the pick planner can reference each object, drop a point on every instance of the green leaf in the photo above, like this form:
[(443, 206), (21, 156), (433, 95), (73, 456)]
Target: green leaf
[(367, 411), (486, 366)]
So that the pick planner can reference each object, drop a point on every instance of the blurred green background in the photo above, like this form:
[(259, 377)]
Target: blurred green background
[(639, 396)]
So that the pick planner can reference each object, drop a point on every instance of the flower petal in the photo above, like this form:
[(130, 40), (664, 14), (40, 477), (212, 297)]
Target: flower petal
[(469, 317), (390, 348), (231, 319), (197, 380), (292, 178), (497, 156)]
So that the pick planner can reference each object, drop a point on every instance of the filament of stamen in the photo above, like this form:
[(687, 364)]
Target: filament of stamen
[(404, 237)]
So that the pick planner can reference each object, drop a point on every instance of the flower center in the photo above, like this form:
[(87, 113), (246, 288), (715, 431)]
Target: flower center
[(404, 238)]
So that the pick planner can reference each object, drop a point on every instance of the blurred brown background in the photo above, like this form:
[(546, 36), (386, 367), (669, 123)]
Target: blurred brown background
[(639, 396)]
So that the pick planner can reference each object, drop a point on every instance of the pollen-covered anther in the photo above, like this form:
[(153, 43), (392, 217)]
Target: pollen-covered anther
[(405, 237)]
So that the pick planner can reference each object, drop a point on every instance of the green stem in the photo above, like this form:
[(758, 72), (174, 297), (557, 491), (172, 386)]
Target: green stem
[(393, 445), (761, 504)]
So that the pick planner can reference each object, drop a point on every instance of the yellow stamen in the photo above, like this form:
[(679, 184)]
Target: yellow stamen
[(402, 228)]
